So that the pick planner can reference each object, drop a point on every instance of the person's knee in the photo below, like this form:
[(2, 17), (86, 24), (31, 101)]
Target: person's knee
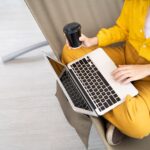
[(65, 57), (116, 54), (138, 129), (136, 118)]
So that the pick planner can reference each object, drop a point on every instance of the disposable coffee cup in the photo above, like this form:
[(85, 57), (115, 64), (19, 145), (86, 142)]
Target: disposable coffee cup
[(73, 32)]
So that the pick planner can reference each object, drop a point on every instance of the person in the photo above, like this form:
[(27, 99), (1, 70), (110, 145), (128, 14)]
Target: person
[(132, 117)]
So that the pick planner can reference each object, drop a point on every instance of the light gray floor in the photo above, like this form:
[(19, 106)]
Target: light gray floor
[(30, 116)]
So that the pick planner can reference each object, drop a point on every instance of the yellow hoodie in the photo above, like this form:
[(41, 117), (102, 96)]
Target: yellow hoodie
[(129, 27)]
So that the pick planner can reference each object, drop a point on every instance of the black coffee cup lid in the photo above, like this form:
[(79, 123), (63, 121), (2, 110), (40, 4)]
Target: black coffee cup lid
[(71, 28)]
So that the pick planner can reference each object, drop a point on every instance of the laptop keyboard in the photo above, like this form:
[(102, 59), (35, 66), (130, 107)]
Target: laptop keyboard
[(75, 95), (101, 93)]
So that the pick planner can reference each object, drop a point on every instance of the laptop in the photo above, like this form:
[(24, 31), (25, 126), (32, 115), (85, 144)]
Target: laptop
[(88, 84)]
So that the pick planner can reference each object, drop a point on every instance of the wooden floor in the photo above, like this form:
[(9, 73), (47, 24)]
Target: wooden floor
[(30, 116)]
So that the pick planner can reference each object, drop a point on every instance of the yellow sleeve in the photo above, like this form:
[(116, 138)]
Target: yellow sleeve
[(118, 32), (144, 50)]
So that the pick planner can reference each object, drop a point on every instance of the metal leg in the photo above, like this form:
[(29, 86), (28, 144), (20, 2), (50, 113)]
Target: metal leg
[(20, 52)]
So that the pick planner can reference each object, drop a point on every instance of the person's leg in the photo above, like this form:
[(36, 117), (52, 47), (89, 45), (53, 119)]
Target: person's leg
[(133, 116), (69, 55)]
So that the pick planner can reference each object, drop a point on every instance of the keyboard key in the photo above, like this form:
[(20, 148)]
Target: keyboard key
[(92, 66), (103, 93), (101, 83), (87, 71), (95, 97), (93, 93), (98, 87), (100, 104), (82, 77), (98, 80), (90, 90), (118, 99), (85, 68), (84, 80), (88, 80), (97, 100), (102, 107), (97, 93), (93, 86), (108, 93), (109, 102), (96, 83), (80, 74), (106, 90), (106, 97), (97, 77), (112, 99), (95, 69), (100, 96), (88, 66), (87, 77), (106, 105), (92, 77), (81, 62), (95, 90), (102, 100), (88, 87), (115, 95), (83, 71), (90, 83), (74, 65), (103, 86), (112, 92), (77, 63), (103, 79), (84, 61), (109, 88)]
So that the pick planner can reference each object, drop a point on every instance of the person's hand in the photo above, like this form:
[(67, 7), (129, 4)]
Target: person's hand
[(129, 73), (87, 42)]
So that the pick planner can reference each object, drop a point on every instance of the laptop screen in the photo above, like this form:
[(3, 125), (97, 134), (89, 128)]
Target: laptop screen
[(57, 66)]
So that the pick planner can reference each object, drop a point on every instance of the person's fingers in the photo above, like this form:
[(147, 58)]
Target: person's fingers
[(83, 45), (128, 80), (119, 69), (82, 38), (117, 73), (82, 35), (123, 77)]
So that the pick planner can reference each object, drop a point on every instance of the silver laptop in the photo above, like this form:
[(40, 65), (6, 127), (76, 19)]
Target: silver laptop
[(88, 84)]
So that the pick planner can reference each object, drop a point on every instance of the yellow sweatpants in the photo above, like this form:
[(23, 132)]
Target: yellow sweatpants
[(132, 117)]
